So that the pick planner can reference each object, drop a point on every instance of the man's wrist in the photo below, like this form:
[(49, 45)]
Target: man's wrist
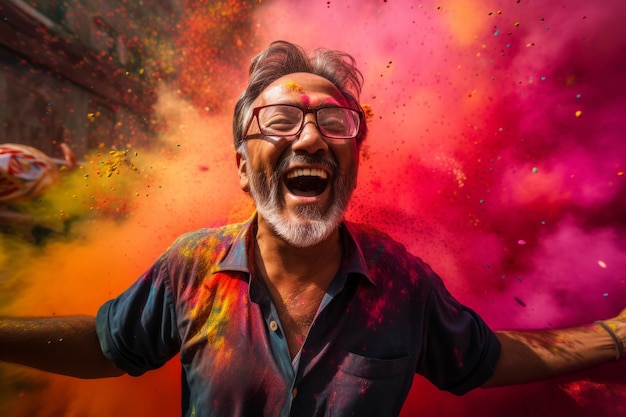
[(613, 327)]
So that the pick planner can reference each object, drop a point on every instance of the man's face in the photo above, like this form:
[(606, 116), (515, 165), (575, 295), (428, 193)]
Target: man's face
[(302, 187)]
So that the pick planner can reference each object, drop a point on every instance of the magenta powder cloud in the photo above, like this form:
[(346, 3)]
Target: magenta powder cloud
[(496, 153)]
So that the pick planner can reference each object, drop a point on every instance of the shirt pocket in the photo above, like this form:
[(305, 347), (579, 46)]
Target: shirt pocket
[(373, 368), (367, 386)]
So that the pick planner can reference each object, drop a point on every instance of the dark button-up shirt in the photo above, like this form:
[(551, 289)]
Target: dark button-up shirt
[(385, 316)]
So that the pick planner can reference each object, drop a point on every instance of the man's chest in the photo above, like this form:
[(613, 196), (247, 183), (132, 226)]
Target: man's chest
[(235, 347)]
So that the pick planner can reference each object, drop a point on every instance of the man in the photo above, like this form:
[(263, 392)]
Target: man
[(296, 312)]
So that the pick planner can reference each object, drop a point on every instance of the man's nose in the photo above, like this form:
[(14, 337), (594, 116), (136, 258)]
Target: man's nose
[(310, 139)]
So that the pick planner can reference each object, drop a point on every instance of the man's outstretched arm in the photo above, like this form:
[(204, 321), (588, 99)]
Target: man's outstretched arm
[(63, 345), (528, 356)]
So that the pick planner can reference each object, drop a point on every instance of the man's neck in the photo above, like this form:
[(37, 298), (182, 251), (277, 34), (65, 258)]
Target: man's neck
[(281, 261), (296, 278)]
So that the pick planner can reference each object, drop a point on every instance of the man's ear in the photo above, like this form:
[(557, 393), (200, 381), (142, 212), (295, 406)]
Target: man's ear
[(242, 169)]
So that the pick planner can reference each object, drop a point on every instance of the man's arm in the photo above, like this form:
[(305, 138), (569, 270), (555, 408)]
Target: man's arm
[(528, 356), (63, 345)]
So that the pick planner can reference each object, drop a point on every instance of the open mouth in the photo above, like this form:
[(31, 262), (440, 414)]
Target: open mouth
[(306, 182)]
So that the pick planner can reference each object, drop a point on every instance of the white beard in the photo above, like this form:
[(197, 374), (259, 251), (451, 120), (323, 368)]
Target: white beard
[(311, 226)]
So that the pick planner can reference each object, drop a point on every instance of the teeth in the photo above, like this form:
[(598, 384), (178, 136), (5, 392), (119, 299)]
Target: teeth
[(307, 172)]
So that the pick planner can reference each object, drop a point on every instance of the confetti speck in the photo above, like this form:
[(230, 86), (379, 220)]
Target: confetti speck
[(520, 302)]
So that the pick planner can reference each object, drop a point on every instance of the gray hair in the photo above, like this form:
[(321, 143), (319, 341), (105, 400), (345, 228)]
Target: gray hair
[(282, 58)]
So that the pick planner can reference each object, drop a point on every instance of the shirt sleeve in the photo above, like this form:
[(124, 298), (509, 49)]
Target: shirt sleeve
[(137, 330), (460, 351)]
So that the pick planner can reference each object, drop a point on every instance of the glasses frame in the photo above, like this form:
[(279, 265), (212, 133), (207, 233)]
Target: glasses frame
[(305, 111)]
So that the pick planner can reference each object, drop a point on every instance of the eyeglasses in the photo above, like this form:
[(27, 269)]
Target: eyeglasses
[(285, 120)]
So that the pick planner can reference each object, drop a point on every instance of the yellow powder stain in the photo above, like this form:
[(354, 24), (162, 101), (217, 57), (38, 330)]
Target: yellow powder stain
[(215, 314), (294, 86)]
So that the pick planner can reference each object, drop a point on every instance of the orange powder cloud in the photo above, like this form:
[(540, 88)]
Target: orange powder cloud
[(189, 181)]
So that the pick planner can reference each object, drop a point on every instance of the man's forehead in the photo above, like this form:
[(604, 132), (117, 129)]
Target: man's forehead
[(302, 88)]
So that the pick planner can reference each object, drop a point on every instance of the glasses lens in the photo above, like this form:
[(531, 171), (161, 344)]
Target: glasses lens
[(280, 120), (338, 122), (286, 120)]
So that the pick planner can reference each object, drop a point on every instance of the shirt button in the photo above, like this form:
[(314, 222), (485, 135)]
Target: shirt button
[(273, 325), (294, 392)]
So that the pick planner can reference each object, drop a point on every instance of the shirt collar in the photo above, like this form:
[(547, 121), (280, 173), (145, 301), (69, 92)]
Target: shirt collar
[(238, 259), (354, 261)]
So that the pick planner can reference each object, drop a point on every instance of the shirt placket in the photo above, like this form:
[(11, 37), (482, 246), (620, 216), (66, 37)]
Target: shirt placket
[(334, 289), (279, 348), (280, 351)]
